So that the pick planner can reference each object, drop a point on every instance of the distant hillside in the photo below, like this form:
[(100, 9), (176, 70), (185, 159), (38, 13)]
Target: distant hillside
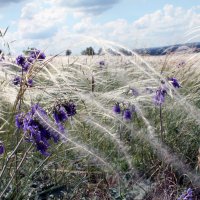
[(178, 48)]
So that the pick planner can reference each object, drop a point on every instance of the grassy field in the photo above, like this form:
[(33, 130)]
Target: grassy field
[(146, 150)]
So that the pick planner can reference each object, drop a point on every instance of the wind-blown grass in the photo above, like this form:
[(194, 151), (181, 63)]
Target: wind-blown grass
[(102, 155)]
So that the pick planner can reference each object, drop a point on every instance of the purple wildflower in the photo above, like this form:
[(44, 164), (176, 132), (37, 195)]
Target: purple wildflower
[(20, 60), (37, 54), (42, 147), (117, 108), (16, 80), (42, 56), (187, 195), (159, 97), (59, 114), (127, 115), (19, 120), (70, 108), (30, 59), (101, 63), (30, 82), (26, 66), (174, 82), (36, 107), (36, 128), (2, 148)]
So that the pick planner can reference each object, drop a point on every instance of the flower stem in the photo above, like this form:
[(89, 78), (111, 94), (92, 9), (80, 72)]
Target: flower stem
[(161, 123)]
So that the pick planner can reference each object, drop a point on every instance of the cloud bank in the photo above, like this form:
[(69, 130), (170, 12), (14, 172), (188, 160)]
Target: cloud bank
[(47, 27), (6, 2)]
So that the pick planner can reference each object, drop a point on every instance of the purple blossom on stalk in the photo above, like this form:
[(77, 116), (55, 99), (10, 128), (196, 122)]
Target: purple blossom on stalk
[(20, 60), (16, 80), (37, 54), (30, 82), (41, 56), (37, 128), (36, 107), (19, 120), (59, 114), (116, 108), (159, 97), (174, 82), (70, 108), (26, 66), (101, 63), (127, 115), (2, 148), (42, 147), (186, 196), (30, 59)]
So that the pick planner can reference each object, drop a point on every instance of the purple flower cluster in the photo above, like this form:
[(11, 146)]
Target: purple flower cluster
[(37, 54), (174, 82), (101, 63), (159, 97), (127, 114), (187, 195), (30, 82), (117, 108), (2, 148), (126, 111), (17, 80), (25, 62), (64, 110), (36, 128), (70, 108), (59, 114)]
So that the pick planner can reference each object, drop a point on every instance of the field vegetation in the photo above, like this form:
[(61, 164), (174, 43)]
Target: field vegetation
[(100, 126)]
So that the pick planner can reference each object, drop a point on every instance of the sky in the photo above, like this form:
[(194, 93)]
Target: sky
[(57, 25)]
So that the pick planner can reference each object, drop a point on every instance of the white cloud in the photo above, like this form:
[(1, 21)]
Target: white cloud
[(6, 2), (37, 22), (48, 29), (166, 26), (94, 7), (30, 9)]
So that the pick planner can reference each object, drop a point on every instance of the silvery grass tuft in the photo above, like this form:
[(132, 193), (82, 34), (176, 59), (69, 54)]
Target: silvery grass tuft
[(100, 127)]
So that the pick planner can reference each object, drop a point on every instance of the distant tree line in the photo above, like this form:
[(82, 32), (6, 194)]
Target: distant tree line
[(91, 52), (88, 51), (68, 52)]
